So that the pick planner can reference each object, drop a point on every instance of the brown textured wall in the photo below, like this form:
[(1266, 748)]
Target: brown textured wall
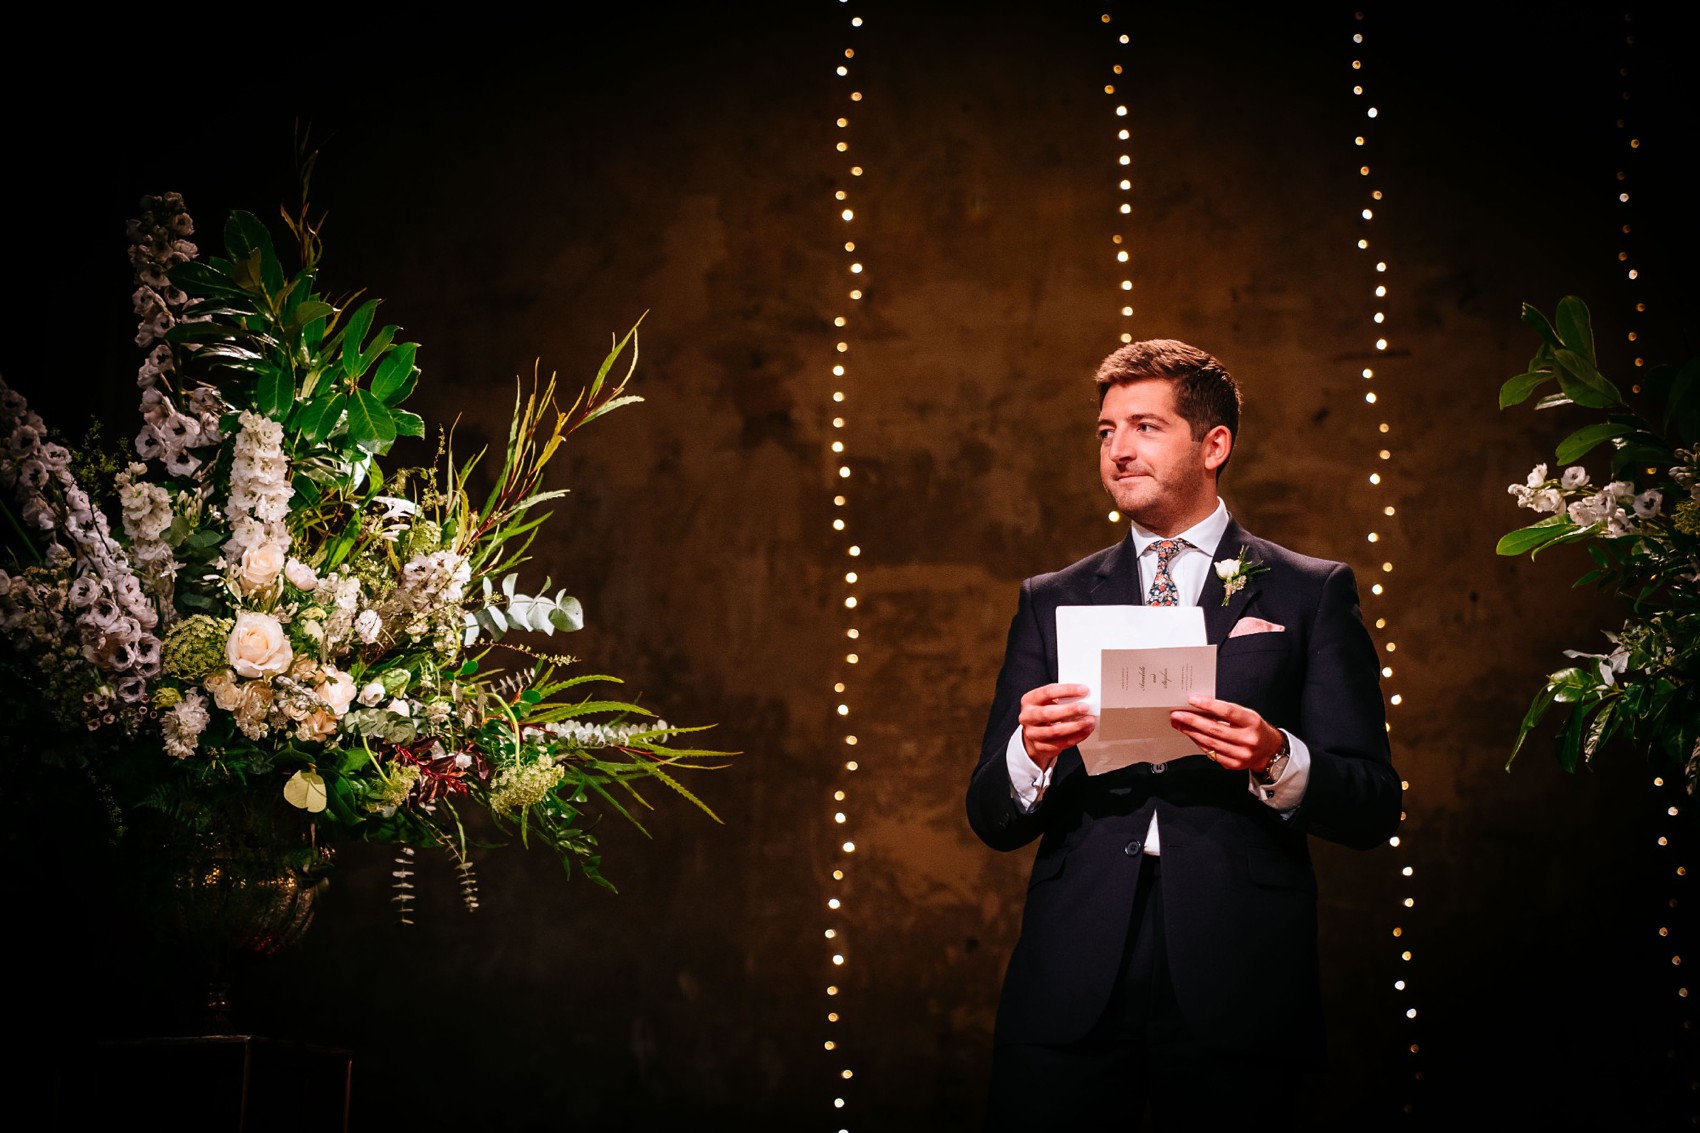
[(516, 195)]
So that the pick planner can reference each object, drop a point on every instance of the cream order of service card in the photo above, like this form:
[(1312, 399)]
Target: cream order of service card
[(1139, 662)]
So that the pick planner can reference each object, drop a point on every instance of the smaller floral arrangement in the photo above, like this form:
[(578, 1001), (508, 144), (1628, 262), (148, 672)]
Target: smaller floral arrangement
[(1236, 572), (1640, 520)]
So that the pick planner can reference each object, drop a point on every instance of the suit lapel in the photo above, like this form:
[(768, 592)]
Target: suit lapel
[(1117, 583), (1219, 618)]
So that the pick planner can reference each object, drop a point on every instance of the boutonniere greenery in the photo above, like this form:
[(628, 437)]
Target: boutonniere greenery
[(1236, 572)]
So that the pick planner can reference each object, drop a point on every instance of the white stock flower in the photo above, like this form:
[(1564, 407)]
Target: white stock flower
[(1648, 503), (258, 646), (300, 575), (1574, 477), (368, 625), (1537, 476), (1546, 500)]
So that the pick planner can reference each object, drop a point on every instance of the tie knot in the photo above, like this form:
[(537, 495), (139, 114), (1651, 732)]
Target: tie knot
[(1167, 549)]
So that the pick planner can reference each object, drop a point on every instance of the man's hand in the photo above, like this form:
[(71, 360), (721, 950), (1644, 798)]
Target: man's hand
[(1053, 719), (1234, 735)]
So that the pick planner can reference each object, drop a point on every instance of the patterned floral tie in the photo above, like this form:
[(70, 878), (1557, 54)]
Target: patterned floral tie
[(1163, 586)]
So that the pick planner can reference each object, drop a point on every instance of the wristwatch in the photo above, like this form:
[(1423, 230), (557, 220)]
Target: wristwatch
[(1277, 764)]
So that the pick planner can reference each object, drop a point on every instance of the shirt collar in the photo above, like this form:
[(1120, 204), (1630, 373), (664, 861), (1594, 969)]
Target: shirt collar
[(1205, 535)]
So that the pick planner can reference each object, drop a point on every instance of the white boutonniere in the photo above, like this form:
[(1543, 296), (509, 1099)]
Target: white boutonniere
[(1236, 572)]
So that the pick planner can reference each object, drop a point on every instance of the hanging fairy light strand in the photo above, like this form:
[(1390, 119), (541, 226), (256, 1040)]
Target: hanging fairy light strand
[(1124, 186), (843, 559), (1665, 796), (1370, 204)]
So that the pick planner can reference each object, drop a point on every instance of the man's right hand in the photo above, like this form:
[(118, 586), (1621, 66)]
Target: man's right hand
[(1053, 719)]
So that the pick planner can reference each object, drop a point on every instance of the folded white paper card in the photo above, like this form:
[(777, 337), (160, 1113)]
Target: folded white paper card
[(1139, 662)]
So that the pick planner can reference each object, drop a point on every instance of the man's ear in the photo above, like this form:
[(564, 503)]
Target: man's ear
[(1218, 444)]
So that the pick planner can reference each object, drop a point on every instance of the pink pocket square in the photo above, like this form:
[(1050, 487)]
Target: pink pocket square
[(1254, 625)]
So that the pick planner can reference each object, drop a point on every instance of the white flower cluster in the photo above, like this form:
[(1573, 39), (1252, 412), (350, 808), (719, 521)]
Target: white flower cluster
[(259, 503), (111, 613), (181, 725), (426, 601), (1617, 507), (1687, 474), (168, 433), (158, 243), (146, 512), (585, 734)]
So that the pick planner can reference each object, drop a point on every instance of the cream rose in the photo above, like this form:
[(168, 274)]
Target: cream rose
[(260, 566), (336, 690), (258, 646)]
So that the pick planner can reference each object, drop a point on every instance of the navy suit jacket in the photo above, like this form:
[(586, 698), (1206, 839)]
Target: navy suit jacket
[(1239, 892)]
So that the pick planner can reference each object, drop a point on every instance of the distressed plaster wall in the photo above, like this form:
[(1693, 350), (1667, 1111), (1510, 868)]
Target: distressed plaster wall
[(516, 195)]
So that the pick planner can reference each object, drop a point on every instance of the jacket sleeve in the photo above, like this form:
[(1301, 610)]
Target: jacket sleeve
[(1354, 795), (992, 809)]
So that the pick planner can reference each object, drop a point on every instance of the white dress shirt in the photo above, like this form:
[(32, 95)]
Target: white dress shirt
[(1189, 569)]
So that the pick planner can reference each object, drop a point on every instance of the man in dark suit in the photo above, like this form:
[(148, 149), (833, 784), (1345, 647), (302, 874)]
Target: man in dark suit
[(1167, 959)]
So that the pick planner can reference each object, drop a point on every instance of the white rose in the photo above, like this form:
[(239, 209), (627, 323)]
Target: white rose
[(300, 575), (400, 707), (368, 625), (1225, 568), (336, 690), (372, 693), (258, 646), (260, 566)]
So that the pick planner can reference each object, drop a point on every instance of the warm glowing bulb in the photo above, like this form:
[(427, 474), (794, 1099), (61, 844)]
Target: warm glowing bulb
[(854, 551)]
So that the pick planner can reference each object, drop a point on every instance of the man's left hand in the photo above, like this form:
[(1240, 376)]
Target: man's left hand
[(1234, 735)]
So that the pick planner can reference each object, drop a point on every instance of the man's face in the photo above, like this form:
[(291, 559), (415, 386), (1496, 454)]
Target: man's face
[(1156, 473)]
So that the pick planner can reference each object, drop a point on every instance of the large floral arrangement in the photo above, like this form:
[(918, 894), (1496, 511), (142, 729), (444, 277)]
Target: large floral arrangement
[(251, 610), (1638, 511)]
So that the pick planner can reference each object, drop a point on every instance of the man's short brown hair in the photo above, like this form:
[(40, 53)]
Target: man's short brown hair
[(1205, 393)]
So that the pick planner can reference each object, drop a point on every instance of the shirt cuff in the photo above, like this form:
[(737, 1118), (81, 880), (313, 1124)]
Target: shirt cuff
[(1027, 782), (1286, 793)]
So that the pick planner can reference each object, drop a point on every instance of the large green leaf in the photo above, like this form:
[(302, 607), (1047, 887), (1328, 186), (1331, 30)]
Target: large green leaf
[(201, 281), (315, 419), (274, 392), (1535, 535), (1574, 327), (247, 239), (370, 424), (363, 362), (1539, 321), (308, 311), (396, 374), (1516, 390), (1583, 383), (408, 423), (354, 331), (1583, 440)]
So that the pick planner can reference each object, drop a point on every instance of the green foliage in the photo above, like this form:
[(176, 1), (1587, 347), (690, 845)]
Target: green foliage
[(1644, 689)]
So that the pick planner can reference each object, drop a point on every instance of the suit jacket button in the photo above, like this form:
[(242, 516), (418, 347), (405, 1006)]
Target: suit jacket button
[(1132, 848)]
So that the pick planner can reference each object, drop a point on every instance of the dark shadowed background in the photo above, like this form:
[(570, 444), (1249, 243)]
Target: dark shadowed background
[(518, 191)]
